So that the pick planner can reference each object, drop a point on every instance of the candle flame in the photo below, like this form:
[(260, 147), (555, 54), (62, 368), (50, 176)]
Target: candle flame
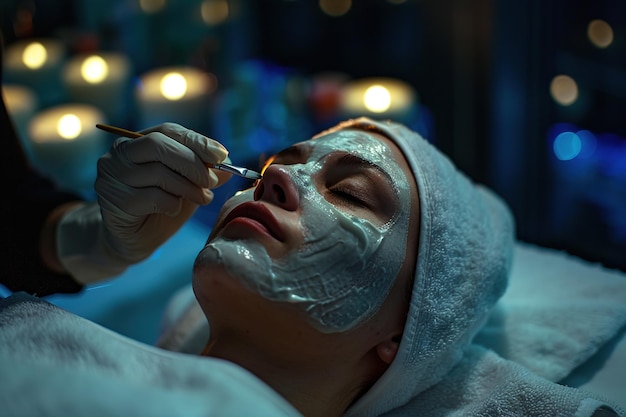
[(34, 55), (94, 69), (69, 126), (377, 99), (173, 86)]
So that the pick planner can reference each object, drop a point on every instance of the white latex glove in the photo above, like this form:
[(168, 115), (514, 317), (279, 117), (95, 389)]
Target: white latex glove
[(147, 188)]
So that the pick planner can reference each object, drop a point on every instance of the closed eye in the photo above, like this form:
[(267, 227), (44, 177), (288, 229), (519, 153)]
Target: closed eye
[(360, 187), (351, 196)]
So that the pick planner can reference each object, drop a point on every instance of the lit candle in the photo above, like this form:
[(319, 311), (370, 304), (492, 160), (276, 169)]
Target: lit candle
[(66, 144), (36, 64), (379, 97), (21, 104), (175, 94), (100, 80)]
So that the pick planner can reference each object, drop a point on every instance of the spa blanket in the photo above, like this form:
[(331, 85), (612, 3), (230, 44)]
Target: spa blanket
[(56, 364)]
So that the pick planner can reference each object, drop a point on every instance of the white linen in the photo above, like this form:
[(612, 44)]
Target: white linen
[(56, 364)]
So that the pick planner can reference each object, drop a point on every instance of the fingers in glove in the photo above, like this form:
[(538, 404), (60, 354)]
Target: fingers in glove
[(125, 200), (156, 147), (118, 173), (209, 150)]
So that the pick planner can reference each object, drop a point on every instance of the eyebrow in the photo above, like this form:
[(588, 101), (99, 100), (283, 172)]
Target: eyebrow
[(354, 160), (297, 151), (293, 151)]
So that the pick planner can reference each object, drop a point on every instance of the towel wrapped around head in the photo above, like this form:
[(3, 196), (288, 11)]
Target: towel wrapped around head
[(466, 242), (466, 246)]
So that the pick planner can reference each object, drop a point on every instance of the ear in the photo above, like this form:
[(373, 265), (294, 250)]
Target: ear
[(388, 349)]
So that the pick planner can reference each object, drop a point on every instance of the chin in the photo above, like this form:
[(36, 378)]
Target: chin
[(213, 286), (211, 274)]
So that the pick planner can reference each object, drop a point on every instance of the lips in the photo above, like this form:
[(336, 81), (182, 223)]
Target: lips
[(258, 213)]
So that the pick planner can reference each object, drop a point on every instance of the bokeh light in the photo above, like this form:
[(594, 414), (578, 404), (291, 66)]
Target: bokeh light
[(173, 86), (564, 90), (569, 142), (151, 6), (567, 146), (34, 55), (377, 99), (94, 69), (69, 126), (335, 8), (589, 143), (214, 12), (600, 33)]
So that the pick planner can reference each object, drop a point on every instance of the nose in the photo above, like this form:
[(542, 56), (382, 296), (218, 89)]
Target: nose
[(277, 188)]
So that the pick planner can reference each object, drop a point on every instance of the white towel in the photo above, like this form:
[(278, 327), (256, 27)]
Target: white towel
[(466, 239), (466, 248), (557, 312), (56, 364), (485, 385)]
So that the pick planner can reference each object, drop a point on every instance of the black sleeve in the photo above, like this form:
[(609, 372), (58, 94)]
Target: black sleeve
[(28, 199)]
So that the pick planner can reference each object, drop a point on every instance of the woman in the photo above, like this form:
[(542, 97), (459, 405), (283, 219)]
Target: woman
[(332, 235), (304, 279), (349, 281)]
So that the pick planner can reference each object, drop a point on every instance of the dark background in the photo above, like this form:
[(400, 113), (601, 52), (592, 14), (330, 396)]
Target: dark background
[(481, 69)]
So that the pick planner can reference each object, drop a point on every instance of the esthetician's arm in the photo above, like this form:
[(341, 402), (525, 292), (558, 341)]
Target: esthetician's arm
[(30, 208), (28, 213), (147, 189)]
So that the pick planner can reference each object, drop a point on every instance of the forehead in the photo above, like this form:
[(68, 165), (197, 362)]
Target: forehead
[(375, 147), (366, 145)]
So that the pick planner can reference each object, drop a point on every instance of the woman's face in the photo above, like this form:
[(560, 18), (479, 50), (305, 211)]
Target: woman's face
[(325, 232)]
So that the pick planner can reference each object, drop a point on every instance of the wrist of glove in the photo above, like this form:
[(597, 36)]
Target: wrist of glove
[(83, 248)]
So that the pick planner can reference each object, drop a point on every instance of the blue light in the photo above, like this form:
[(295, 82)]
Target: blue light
[(567, 146), (588, 142)]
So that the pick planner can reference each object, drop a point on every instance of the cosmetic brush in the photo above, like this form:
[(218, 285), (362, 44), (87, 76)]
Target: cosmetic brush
[(231, 169)]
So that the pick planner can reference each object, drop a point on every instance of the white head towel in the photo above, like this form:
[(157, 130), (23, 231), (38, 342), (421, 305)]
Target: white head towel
[(465, 251), (466, 247)]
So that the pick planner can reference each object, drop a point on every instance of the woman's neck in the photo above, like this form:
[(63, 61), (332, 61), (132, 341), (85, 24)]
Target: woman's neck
[(315, 386)]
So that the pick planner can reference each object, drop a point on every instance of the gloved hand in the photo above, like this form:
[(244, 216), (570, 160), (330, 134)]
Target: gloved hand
[(147, 188)]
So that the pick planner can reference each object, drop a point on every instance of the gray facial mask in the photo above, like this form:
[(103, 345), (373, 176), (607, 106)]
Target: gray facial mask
[(344, 270)]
